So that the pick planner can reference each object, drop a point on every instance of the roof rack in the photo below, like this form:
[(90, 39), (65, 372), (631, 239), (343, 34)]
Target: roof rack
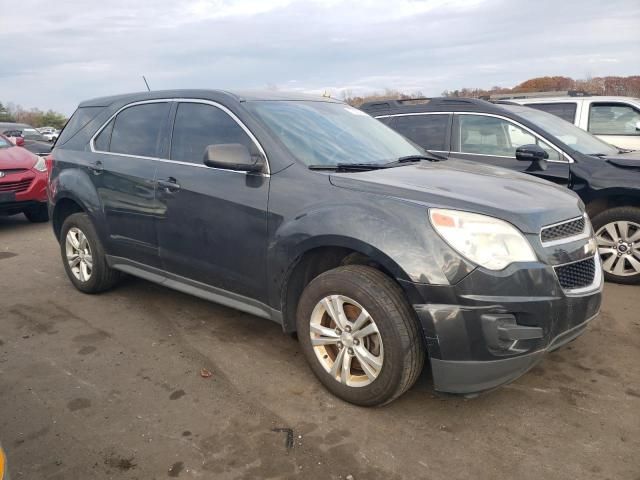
[(557, 93), (378, 105)]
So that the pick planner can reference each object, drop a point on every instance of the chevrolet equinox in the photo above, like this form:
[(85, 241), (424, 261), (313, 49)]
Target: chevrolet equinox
[(310, 213)]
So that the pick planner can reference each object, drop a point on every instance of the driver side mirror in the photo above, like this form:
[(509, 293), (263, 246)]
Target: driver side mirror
[(19, 142), (531, 153), (233, 156)]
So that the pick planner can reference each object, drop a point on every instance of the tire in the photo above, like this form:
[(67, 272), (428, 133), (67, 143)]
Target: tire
[(101, 277), (397, 341), (619, 249), (39, 214)]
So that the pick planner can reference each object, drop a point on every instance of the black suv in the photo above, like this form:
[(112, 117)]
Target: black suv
[(312, 214), (532, 141)]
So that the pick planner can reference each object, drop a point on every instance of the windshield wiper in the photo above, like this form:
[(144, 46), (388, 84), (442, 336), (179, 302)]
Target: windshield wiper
[(349, 167)]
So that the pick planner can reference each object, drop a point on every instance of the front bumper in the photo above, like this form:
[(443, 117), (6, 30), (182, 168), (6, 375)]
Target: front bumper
[(492, 327), (22, 190)]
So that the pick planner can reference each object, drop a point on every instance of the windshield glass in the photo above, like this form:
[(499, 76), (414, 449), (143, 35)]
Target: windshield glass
[(323, 133), (4, 143), (31, 134), (564, 131)]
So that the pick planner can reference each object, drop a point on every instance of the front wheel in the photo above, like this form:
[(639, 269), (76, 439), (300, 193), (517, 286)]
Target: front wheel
[(360, 335), (618, 236)]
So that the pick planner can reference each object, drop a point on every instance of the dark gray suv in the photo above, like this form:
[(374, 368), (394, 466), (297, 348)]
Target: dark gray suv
[(312, 214)]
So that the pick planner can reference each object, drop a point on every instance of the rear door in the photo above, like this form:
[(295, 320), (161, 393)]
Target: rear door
[(213, 227), (429, 130), (490, 139), (123, 171), (616, 123)]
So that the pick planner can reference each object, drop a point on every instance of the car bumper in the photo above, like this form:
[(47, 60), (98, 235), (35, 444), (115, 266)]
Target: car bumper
[(491, 327), (15, 200)]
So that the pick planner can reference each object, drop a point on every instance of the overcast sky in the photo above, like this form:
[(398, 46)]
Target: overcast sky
[(57, 53)]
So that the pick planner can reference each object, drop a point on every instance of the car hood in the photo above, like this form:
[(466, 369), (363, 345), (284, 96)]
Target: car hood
[(523, 200), (16, 157), (625, 160)]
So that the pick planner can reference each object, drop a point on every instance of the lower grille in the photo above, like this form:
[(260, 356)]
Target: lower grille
[(17, 187), (577, 274)]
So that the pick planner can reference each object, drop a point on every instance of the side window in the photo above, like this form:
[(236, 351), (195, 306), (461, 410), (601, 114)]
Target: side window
[(388, 121), (484, 135), (199, 125), (102, 141), (136, 130), (428, 131), (566, 111), (613, 119)]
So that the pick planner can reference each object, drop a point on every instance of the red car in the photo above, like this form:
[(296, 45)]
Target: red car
[(23, 182)]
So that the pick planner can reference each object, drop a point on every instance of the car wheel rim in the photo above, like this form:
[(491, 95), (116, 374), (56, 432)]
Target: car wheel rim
[(619, 248), (78, 254), (346, 341)]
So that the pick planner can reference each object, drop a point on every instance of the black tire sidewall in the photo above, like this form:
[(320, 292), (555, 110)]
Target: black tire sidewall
[(631, 214), (387, 384)]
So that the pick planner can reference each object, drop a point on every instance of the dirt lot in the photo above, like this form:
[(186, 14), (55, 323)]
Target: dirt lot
[(109, 386)]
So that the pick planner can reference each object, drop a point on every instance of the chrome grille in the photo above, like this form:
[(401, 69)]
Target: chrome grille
[(577, 274), (563, 230)]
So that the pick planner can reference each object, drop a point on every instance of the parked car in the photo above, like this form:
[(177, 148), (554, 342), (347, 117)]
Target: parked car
[(516, 137), (33, 139), (50, 133), (615, 120), (23, 182), (308, 212)]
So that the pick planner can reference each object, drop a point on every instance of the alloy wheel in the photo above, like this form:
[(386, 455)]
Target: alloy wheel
[(619, 248), (78, 254), (346, 341)]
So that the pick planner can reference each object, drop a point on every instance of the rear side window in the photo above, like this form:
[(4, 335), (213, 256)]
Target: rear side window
[(103, 140), (613, 119), (566, 111), (80, 118), (428, 131), (136, 130), (199, 125)]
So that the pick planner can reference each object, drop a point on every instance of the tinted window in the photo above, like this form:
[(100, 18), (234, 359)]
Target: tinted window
[(613, 119), (80, 118), (566, 111), (198, 125), (101, 143), (136, 130), (493, 136), (428, 131)]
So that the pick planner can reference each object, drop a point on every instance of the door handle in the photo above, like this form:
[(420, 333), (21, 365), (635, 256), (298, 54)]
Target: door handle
[(96, 167), (169, 185)]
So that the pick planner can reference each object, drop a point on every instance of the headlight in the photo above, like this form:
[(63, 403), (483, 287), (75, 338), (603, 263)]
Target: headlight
[(40, 165), (486, 241)]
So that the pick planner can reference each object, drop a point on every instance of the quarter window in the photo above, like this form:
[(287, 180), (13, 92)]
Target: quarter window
[(428, 131), (566, 111), (199, 125), (102, 141), (485, 135), (613, 119), (136, 130)]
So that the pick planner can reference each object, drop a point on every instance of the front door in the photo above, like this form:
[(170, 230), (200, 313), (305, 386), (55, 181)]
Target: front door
[(123, 169), (214, 226), (493, 140)]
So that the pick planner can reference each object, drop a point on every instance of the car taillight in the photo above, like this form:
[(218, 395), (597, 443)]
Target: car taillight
[(49, 162)]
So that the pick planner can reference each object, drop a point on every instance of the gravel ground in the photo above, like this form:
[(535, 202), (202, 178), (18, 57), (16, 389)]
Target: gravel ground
[(110, 386)]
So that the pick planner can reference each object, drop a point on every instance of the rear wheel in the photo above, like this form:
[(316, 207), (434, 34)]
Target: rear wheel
[(618, 236), (83, 256), (360, 335), (38, 214)]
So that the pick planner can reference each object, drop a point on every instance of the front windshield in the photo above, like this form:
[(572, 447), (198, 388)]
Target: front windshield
[(4, 143), (325, 133), (564, 131)]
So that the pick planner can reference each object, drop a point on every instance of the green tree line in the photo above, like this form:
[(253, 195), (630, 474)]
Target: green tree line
[(34, 116)]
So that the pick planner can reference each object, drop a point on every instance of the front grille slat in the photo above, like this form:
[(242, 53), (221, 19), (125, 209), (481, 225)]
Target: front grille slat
[(16, 187), (563, 230), (577, 274)]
